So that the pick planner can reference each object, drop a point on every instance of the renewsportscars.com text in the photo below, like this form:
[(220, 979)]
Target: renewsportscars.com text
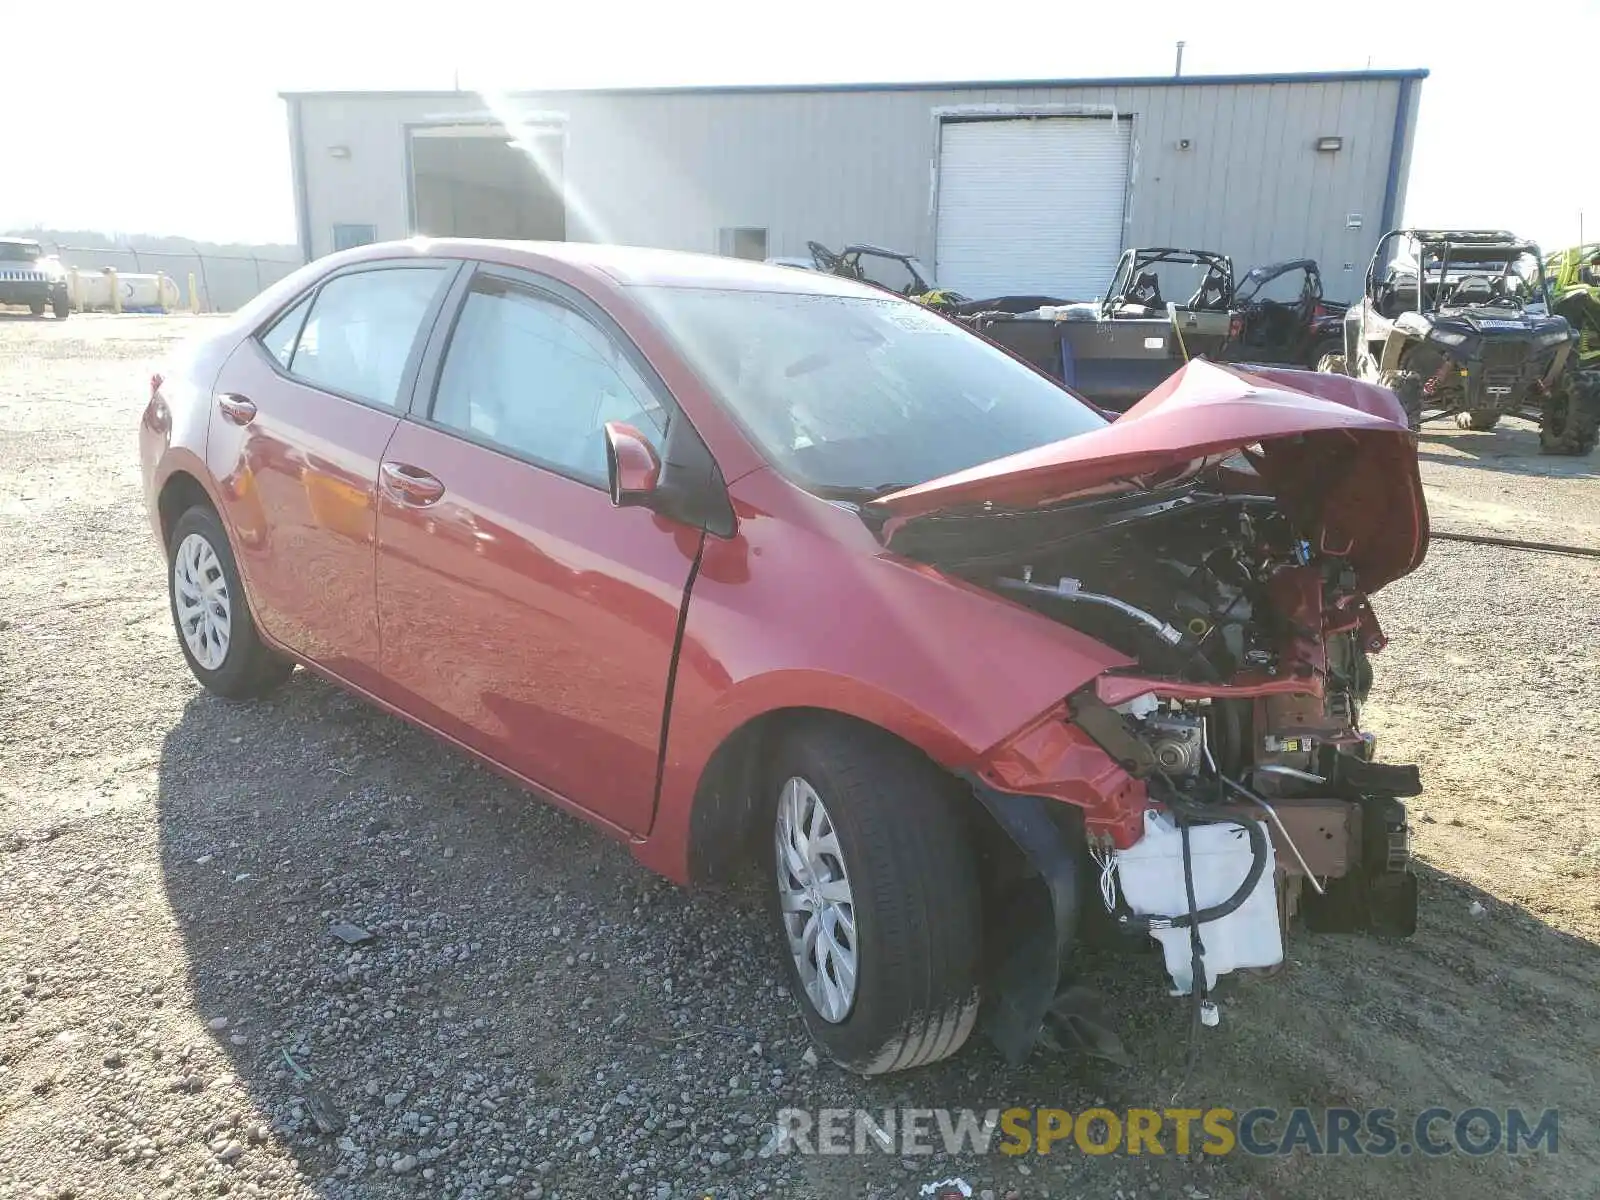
[(1262, 1132)]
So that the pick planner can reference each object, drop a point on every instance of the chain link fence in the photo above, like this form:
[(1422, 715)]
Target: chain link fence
[(206, 281)]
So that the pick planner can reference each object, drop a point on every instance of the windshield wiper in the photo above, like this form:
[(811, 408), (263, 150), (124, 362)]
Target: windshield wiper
[(857, 495)]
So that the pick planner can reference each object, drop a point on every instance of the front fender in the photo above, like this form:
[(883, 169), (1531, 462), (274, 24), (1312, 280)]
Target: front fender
[(803, 609)]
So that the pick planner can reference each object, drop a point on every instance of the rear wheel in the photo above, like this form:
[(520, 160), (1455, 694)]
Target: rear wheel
[(211, 615), (1571, 418), (1331, 347), (1478, 418), (1407, 387), (877, 898), (1332, 364)]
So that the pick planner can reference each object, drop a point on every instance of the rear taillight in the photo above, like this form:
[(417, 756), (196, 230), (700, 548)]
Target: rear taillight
[(1235, 326)]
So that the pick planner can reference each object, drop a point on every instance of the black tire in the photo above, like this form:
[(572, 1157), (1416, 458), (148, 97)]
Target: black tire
[(61, 307), (916, 908), (1327, 348), (1407, 387), (247, 668), (1332, 364), (1477, 418), (37, 308), (1570, 422)]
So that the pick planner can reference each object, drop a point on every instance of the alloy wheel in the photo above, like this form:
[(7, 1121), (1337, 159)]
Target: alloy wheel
[(200, 595), (817, 905)]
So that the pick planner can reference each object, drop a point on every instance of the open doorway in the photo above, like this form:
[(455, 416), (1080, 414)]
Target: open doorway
[(474, 181)]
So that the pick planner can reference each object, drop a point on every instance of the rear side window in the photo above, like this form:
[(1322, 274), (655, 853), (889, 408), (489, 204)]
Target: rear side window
[(359, 333), (541, 380)]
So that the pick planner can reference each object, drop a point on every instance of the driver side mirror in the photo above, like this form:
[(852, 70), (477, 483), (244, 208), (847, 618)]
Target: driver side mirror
[(632, 466)]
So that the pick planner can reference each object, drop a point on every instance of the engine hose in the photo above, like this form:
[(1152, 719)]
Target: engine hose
[(1197, 978), (1483, 539), (1188, 814)]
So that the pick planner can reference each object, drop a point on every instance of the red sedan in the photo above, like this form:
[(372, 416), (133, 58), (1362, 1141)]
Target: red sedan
[(746, 564)]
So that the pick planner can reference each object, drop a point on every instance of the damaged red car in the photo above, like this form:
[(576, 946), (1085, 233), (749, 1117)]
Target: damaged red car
[(746, 565)]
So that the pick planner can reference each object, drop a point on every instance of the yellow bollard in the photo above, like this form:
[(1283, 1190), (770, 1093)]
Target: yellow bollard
[(194, 294), (116, 293)]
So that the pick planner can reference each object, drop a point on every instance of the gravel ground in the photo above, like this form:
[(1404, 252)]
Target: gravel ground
[(536, 1016)]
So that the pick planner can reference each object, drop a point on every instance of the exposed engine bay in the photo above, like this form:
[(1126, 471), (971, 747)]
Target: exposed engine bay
[(1241, 718)]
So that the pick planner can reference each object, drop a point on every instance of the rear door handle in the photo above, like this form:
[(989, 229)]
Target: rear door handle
[(241, 410), (410, 485)]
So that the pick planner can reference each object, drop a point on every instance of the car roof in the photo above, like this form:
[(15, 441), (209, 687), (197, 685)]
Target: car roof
[(612, 267)]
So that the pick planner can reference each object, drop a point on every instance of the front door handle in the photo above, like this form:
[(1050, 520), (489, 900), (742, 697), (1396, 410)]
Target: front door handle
[(241, 410), (410, 485)]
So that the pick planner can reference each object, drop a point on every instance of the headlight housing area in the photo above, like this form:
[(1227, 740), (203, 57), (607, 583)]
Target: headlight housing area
[(1554, 337), (1448, 337)]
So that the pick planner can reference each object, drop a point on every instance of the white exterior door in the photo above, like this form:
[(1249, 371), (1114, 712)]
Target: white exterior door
[(1031, 205)]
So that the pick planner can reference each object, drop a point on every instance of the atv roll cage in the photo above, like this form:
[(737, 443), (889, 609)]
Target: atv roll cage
[(1453, 268), (1136, 283), (847, 262), (1258, 277)]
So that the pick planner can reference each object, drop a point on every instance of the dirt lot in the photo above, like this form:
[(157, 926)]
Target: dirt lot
[(537, 1016)]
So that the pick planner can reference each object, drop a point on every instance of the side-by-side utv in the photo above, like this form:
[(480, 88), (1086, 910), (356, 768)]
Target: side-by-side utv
[(1459, 323)]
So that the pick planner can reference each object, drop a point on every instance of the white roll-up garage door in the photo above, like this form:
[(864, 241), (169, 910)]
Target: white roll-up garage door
[(1031, 205)]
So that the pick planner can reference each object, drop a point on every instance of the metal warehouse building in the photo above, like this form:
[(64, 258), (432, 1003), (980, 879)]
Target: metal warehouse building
[(1031, 186)]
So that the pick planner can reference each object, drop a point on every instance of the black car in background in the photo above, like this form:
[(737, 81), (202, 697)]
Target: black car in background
[(32, 279)]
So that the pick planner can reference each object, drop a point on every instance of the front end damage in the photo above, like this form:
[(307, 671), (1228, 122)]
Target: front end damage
[(1223, 788)]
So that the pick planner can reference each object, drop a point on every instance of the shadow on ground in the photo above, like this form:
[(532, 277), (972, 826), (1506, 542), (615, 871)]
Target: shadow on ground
[(1512, 448), (537, 1015)]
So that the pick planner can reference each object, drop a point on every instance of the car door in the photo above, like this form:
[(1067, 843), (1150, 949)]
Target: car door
[(521, 613), (302, 414)]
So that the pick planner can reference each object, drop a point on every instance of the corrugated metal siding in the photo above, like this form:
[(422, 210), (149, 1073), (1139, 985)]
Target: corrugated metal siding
[(671, 169)]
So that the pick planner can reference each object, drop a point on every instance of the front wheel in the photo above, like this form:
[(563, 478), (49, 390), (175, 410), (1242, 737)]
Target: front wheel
[(211, 615), (1570, 422), (37, 308), (61, 307), (1332, 364), (877, 897), (1407, 387), (1477, 418)]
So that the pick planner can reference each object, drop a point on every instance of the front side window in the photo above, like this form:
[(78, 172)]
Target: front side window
[(859, 395), (541, 380), (360, 331)]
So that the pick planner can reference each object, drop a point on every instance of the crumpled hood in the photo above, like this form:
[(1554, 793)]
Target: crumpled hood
[(1334, 451)]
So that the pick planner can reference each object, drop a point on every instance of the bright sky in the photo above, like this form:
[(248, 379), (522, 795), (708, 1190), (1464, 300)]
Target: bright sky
[(163, 116)]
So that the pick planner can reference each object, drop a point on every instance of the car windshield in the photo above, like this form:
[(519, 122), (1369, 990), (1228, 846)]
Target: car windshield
[(857, 395), (19, 251), (1474, 275)]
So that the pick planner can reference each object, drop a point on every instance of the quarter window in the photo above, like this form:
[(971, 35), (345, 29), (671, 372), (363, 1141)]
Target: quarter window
[(280, 337), (360, 332), (541, 380)]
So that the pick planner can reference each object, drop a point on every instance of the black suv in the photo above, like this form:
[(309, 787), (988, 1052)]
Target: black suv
[(28, 277), (1457, 323)]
